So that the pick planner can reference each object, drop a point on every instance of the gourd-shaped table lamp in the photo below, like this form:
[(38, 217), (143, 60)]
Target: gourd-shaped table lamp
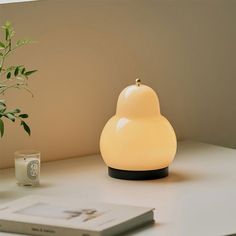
[(138, 142)]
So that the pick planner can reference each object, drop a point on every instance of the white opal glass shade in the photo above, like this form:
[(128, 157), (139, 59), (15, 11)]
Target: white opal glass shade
[(138, 137)]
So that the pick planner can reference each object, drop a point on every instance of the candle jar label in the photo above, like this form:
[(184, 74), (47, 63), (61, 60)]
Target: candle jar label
[(33, 169)]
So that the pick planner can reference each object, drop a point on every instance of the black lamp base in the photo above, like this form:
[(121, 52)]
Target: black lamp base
[(138, 175)]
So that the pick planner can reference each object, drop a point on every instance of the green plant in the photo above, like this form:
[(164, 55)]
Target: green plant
[(12, 77)]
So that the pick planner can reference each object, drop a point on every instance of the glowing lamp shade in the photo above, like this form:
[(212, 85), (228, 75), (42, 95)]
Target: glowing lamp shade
[(138, 142)]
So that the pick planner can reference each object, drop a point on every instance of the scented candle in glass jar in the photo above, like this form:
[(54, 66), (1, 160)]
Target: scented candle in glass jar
[(27, 167)]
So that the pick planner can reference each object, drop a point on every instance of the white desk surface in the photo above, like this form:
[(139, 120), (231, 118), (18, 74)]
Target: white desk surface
[(197, 198)]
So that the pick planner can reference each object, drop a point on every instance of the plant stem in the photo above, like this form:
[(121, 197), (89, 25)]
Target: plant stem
[(6, 52)]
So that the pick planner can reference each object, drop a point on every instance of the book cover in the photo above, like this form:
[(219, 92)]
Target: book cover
[(38, 215)]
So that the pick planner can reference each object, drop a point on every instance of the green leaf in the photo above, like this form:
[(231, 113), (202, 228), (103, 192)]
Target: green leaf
[(2, 102), (22, 42), (11, 33), (24, 116), (10, 116), (6, 33), (2, 108), (8, 75), (1, 127), (15, 111), (29, 72), (16, 71), (23, 70), (26, 127), (8, 30), (7, 24), (2, 45)]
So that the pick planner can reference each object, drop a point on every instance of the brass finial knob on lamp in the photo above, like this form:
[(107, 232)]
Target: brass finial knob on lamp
[(138, 142), (138, 81)]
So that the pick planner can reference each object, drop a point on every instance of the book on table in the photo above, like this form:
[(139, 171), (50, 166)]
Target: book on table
[(38, 215)]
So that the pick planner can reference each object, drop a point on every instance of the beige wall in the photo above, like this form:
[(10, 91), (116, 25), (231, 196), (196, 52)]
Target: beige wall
[(88, 51)]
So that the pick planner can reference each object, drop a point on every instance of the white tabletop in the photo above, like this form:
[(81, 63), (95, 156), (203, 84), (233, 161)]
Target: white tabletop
[(197, 198)]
